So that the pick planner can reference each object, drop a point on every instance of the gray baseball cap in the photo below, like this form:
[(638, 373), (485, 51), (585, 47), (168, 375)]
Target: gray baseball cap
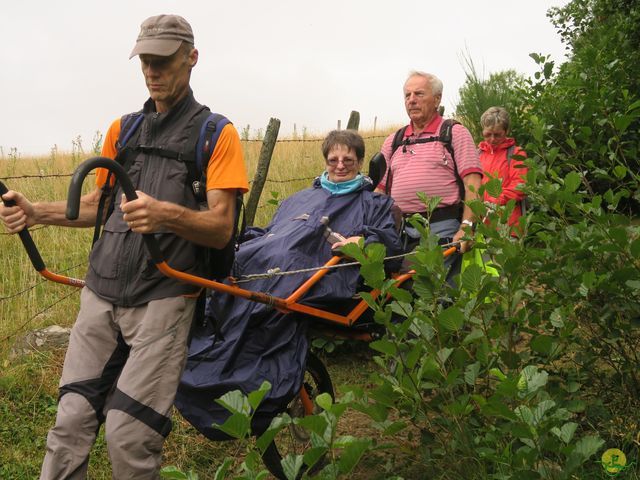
[(162, 35)]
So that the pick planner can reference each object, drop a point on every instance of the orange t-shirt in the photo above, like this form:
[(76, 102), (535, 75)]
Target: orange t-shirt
[(225, 169)]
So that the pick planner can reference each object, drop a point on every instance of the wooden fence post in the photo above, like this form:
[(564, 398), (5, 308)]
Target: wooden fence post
[(262, 170), (354, 121)]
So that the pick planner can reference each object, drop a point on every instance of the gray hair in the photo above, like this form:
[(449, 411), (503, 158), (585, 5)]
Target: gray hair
[(496, 116), (434, 82)]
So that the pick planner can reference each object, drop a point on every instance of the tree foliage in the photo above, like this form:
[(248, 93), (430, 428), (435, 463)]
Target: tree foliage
[(501, 89), (589, 109)]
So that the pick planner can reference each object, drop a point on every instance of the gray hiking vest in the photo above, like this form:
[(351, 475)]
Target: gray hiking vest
[(120, 269)]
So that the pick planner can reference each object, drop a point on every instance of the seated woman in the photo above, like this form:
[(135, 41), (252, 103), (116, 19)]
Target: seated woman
[(496, 152), (255, 342)]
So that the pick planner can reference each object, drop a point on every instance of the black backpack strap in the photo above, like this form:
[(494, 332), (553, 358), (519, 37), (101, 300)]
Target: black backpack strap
[(398, 139), (510, 152), (128, 127), (204, 137), (445, 136)]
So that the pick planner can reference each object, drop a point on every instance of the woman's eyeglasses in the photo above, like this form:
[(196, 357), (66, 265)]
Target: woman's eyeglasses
[(347, 162)]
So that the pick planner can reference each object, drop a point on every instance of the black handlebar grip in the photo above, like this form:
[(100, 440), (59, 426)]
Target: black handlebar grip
[(75, 190), (25, 237)]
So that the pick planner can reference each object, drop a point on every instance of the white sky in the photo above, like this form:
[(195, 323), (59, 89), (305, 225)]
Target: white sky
[(65, 69)]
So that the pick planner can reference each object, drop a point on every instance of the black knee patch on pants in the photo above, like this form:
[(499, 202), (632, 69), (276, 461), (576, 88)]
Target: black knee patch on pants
[(147, 415), (97, 389)]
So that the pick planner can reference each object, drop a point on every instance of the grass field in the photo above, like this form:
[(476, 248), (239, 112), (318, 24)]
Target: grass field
[(28, 384)]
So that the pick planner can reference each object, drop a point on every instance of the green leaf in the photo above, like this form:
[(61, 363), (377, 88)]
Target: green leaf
[(474, 335), (494, 187), (541, 410), (222, 471), (373, 274), (237, 426), (565, 433), (472, 278), (414, 355), (256, 397), (471, 373), (235, 401), (533, 378), (544, 344), (634, 105), (557, 318), (588, 446), (620, 171), (622, 122), (291, 465), (352, 454), (400, 294), (384, 346), (324, 400), (394, 428), (525, 414), (172, 472), (443, 354), (572, 181), (313, 423), (635, 248), (451, 319)]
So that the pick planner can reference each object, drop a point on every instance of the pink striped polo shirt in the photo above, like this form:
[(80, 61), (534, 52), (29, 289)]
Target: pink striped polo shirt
[(428, 167)]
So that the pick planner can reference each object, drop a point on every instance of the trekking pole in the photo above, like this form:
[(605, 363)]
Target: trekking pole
[(34, 255)]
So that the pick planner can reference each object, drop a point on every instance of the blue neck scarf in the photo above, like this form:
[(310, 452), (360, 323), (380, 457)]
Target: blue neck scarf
[(340, 188)]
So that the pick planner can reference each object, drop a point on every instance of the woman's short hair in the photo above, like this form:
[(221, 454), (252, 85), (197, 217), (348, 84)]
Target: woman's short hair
[(348, 138), (496, 116)]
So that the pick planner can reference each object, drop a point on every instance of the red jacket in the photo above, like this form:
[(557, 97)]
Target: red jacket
[(494, 163)]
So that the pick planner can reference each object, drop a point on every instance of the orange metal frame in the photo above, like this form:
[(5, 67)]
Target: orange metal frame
[(285, 305)]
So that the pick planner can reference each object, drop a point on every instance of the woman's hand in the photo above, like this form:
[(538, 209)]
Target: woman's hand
[(345, 241)]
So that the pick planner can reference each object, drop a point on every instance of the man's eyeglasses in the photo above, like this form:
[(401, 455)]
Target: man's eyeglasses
[(347, 162)]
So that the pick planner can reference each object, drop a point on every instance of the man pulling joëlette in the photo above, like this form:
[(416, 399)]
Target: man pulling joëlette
[(128, 345)]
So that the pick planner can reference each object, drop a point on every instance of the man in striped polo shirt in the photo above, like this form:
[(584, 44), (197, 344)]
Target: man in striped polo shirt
[(429, 167)]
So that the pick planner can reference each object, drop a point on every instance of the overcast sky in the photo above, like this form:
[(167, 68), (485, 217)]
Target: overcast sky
[(65, 67)]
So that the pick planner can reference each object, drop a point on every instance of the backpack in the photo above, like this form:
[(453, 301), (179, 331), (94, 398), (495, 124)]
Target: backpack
[(199, 148), (378, 164)]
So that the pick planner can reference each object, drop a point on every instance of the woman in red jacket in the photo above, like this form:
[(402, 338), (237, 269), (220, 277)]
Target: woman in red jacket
[(499, 157)]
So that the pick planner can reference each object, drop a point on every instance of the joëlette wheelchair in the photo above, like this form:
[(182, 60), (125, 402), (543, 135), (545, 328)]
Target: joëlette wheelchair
[(337, 325)]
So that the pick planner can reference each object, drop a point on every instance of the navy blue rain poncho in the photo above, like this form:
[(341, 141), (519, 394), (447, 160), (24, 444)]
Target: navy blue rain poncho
[(258, 343)]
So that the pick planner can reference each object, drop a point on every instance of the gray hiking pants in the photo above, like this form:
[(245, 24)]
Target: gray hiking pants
[(122, 369), (445, 229)]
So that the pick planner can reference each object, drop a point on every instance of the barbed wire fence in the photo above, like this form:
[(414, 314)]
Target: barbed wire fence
[(26, 290)]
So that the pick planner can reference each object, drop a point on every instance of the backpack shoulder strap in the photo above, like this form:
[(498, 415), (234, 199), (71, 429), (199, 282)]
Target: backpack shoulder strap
[(445, 136), (397, 140), (510, 152), (395, 144), (204, 137), (210, 131), (129, 124)]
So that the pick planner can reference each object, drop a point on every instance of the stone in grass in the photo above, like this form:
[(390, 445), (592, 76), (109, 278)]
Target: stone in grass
[(49, 338)]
